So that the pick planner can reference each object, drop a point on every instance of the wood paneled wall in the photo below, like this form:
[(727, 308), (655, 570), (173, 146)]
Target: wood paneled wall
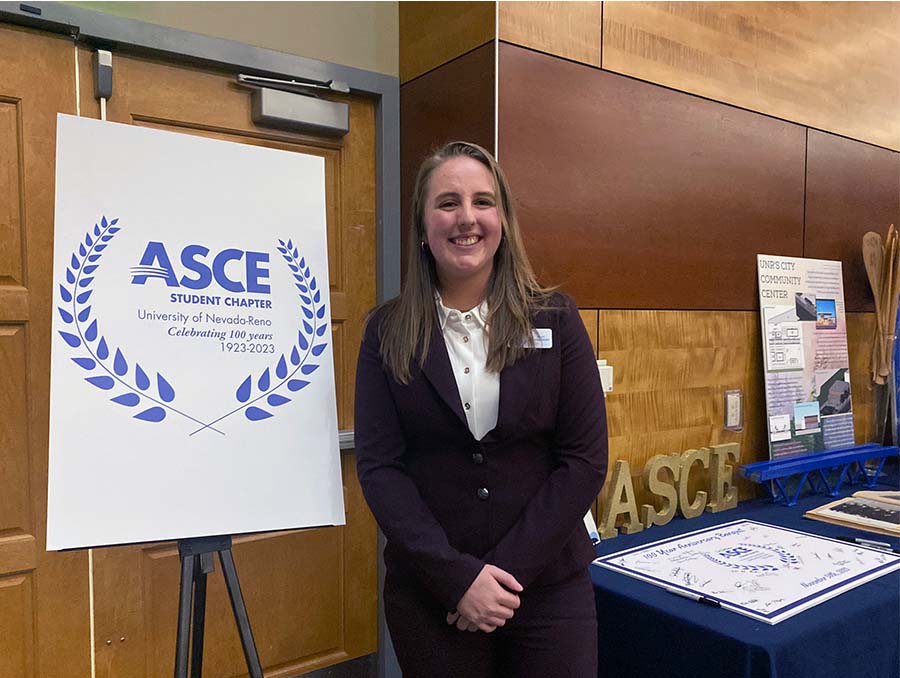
[(827, 65), (433, 33), (671, 371), (453, 101), (567, 29), (648, 200), (860, 330), (662, 198), (830, 65), (851, 188), (649, 204)]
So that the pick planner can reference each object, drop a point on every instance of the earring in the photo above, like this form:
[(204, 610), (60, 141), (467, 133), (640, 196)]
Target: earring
[(423, 245)]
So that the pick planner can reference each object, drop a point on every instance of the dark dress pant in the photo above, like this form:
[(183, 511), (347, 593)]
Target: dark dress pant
[(552, 634)]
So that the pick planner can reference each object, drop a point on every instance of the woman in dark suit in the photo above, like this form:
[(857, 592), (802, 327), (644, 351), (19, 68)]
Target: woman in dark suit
[(481, 442)]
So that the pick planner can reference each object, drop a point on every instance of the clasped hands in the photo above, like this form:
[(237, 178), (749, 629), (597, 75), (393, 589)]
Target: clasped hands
[(488, 603)]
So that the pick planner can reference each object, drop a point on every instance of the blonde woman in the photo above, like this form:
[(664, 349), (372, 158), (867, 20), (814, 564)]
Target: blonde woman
[(481, 442)]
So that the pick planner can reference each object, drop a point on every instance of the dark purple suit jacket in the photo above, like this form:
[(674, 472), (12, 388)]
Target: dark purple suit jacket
[(543, 465)]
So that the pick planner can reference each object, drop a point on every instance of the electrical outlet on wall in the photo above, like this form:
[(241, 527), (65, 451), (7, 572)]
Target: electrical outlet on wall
[(734, 410)]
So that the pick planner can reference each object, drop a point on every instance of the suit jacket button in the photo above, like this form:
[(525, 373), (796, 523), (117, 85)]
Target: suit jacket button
[(483, 493), (478, 458)]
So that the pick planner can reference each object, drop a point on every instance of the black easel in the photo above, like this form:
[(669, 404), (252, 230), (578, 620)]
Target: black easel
[(196, 562)]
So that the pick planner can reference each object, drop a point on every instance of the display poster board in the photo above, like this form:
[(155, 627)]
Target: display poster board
[(806, 363), (765, 572), (192, 382)]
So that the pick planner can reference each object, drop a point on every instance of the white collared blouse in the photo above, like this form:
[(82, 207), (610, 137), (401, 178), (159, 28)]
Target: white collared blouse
[(466, 336)]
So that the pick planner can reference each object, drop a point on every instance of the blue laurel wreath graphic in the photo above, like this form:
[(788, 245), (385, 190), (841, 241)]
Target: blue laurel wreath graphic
[(109, 368), (75, 294), (313, 328)]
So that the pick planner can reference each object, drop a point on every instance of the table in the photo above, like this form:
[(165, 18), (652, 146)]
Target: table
[(646, 632)]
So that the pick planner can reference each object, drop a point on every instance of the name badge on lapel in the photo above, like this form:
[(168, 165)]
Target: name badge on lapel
[(543, 337)]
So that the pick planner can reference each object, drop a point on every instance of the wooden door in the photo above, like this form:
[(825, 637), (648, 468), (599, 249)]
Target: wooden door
[(44, 621), (312, 594)]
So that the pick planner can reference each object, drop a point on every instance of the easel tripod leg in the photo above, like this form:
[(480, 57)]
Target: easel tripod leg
[(200, 571), (240, 613), (185, 597)]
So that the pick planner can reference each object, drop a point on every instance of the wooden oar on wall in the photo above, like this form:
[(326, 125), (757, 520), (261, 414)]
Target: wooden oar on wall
[(882, 260), (887, 276), (891, 318), (873, 256)]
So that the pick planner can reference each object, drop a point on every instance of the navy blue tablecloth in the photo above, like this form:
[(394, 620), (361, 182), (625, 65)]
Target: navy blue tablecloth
[(645, 631)]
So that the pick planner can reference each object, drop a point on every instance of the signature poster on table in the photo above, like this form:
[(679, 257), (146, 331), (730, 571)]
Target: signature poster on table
[(192, 382), (806, 362), (762, 571)]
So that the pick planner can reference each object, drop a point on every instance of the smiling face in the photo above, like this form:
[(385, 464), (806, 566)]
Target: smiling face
[(462, 223)]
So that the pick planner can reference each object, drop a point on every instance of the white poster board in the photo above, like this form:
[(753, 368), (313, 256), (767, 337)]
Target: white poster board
[(807, 364), (192, 382), (762, 571)]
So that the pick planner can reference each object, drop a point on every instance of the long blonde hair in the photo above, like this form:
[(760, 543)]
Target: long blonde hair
[(513, 293)]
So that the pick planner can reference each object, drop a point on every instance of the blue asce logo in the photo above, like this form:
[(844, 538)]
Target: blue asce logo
[(155, 263), (110, 368)]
